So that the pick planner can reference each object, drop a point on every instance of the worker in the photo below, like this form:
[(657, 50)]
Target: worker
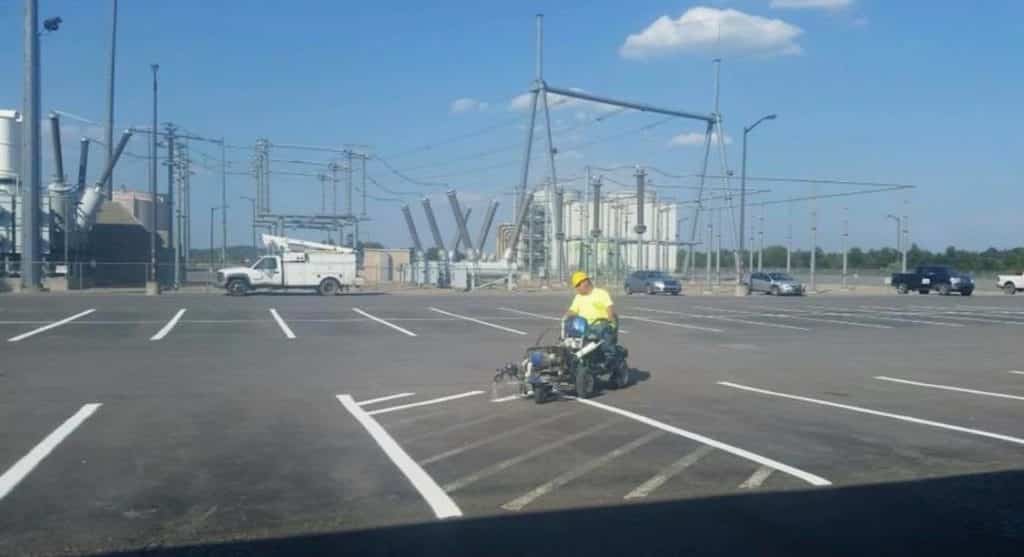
[(596, 307)]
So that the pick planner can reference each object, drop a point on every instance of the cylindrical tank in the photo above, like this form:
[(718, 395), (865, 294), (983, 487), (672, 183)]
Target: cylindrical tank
[(10, 144)]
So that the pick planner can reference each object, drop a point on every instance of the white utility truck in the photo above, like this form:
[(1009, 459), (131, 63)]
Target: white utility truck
[(295, 264), (1011, 283)]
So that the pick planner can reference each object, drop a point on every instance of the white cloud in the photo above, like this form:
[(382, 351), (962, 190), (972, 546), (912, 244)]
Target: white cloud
[(709, 29), (521, 103), (467, 104), (811, 4), (694, 138)]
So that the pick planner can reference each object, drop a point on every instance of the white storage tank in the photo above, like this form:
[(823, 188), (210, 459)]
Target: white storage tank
[(10, 144)]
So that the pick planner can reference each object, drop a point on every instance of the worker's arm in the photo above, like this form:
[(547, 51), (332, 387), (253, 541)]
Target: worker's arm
[(573, 310), (613, 317)]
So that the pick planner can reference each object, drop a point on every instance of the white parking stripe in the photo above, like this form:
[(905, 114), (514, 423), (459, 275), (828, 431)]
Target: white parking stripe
[(862, 410), (731, 319), (757, 478), (170, 325), (825, 310), (948, 388), (487, 440), (671, 324), (13, 476), (804, 317), (1016, 372), (383, 322), (518, 503), (425, 402), (536, 451), (742, 453), (548, 317), (280, 323), (439, 501), (383, 398), (670, 471), (53, 325), (949, 315), (492, 325)]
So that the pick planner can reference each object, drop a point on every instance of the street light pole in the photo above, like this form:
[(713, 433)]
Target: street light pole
[(213, 216), (899, 227), (740, 291)]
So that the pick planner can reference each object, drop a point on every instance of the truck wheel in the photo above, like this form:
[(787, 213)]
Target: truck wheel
[(329, 287), (1009, 288), (902, 289), (237, 287), (944, 290), (966, 292)]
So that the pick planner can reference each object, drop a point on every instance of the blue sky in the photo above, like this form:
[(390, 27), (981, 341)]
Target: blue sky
[(914, 92)]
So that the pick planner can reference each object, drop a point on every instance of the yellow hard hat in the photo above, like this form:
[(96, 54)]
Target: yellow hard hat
[(577, 278)]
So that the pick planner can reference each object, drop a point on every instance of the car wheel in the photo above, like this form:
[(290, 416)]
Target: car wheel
[(1009, 288), (329, 287), (237, 287), (774, 291), (628, 290), (650, 290), (675, 292)]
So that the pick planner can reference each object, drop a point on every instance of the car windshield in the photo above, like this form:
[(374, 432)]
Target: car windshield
[(290, 277)]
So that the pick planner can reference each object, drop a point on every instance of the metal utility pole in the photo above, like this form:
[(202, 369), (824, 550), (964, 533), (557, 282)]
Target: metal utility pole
[(31, 153), (223, 201), (707, 257), (750, 250), (899, 229), (846, 235), (640, 228), (213, 211), (109, 186), (906, 240), (760, 241), (743, 192), (718, 250), (789, 240), (152, 287), (171, 198), (252, 200), (814, 237)]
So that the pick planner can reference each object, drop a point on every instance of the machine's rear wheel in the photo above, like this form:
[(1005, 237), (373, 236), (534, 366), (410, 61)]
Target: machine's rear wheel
[(540, 394), (620, 377), (584, 384)]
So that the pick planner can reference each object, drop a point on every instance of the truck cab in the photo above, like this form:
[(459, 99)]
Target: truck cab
[(1011, 284)]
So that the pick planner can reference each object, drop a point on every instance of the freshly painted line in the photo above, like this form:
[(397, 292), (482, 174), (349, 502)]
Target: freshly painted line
[(671, 324), (508, 398), (439, 501), (170, 325), (730, 319), (53, 325), (383, 322), (518, 503), (383, 398), (487, 440), (804, 317), (1016, 372), (757, 478), (862, 410), (280, 323), (13, 476), (425, 402), (742, 453), (548, 317), (492, 325), (948, 388), (670, 471), (536, 451)]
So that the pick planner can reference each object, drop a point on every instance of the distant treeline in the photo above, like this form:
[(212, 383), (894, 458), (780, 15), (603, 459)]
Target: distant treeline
[(887, 259)]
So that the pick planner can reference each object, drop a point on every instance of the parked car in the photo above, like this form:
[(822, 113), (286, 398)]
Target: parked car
[(939, 278), (652, 282), (1011, 283), (776, 284)]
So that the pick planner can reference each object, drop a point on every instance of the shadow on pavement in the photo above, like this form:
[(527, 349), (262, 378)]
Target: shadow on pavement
[(979, 514)]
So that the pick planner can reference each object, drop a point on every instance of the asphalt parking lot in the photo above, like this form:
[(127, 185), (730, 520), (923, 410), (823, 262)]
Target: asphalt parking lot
[(135, 423)]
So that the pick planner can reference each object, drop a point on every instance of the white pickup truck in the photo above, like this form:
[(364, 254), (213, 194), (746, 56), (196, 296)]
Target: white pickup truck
[(1011, 283), (328, 269)]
